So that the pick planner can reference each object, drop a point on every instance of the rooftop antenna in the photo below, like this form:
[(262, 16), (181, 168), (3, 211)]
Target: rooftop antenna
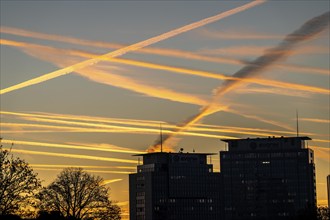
[(297, 122), (161, 138)]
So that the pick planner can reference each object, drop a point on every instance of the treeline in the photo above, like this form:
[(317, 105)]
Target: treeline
[(73, 195)]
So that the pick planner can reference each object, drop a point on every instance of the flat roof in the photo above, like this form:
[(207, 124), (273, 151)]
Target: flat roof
[(189, 153), (267, 138)]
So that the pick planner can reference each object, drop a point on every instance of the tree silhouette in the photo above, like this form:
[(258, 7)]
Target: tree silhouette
[(78, 195), (323, 213), (18, 184)]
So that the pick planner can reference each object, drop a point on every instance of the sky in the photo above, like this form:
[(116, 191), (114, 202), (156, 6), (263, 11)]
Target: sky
[(98, 115)]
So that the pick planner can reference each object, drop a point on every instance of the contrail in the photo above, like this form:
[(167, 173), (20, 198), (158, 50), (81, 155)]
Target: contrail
[(308, 30), (82, 166), (75, 156), (321, 153), (132, 47), (316, 120), (95, 122), (123, 128), (105, 182), (112, 79), (21, 129), (92, 171), (104, 77), (243, 51), (104, 148), (157, 51)]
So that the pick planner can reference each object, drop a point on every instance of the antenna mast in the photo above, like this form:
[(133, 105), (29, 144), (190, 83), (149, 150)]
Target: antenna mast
[(297, 123)]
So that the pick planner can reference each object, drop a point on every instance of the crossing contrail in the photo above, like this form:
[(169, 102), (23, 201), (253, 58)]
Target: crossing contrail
[(75, 156), (114, 80), (158, 51), (308, 30), (132, 47), (95, 123)]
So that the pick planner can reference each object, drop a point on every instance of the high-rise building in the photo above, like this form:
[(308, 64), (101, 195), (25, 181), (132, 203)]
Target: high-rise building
[(267, 178), (174, 186)]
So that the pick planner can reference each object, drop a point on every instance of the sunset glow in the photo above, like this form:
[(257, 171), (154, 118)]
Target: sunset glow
[(95, 84)]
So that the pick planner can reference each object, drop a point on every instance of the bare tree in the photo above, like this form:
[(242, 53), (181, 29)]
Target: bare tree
[(18, 184), (78, 195)]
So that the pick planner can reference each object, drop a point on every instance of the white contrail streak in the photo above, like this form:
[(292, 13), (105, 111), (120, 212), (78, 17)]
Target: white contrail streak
[(307, 31), (132, 47), (75, 156)]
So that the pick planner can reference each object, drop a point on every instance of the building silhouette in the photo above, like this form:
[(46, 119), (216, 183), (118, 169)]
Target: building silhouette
[(267, 178), (260, 178), (174, 186)]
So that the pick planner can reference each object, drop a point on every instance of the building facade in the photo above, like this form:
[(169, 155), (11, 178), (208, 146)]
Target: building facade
[(267, 178), (174, 186)]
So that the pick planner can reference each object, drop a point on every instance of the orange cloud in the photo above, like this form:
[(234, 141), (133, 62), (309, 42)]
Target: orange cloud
[(82, 166), (130, 48), (106, 182), (321, 153), (316, 120), (75, 156), (107, 148), (307, 31), (116, 80), (157, 51), (103, 123)]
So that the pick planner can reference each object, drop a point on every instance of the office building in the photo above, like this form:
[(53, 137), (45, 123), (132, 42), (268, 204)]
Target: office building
[(267, 178), (174, 186)]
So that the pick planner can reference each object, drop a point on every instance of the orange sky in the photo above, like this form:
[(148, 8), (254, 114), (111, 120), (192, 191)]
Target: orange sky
[(99, 112)]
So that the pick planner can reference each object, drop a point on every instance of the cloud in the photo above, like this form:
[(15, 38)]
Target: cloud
[(99, 124), (273, 91), (82, 166), (250, 50), (104, 148), (133, 47), (321, 153), (307, 31), (54, 55), (316, 120), (75, 156), (238, 35), (106, 182)]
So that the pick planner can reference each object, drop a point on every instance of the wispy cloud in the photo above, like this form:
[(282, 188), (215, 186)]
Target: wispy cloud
[(158, 51), (104, 148), (130, 48), (321, 153), (99, 124), (316, 120), (238, 34), (307, 31), (44, 53), (106, 182), (274, 91), (75, 156), (243, 51), (91, 171), (81, 166)]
